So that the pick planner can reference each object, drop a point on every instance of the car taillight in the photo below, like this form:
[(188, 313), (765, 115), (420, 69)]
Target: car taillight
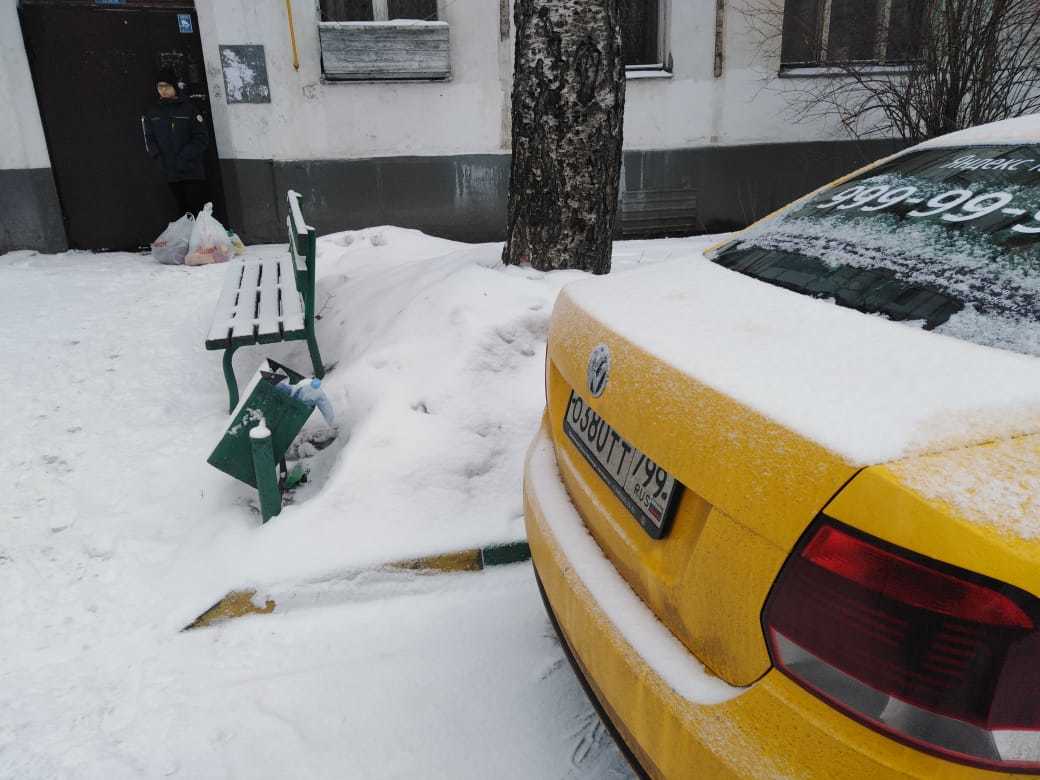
[(933, 655)]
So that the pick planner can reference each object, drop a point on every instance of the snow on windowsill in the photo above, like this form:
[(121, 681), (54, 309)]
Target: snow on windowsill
[(637, 74), (830, 71)]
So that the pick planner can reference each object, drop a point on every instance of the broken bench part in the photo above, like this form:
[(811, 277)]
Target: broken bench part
[(253, 458), (269, 300), (265, 470)]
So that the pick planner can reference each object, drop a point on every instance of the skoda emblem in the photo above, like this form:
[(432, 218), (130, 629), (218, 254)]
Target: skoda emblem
[(599, 370)]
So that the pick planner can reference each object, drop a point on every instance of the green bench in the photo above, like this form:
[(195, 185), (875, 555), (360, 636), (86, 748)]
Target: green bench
[(270, 300)]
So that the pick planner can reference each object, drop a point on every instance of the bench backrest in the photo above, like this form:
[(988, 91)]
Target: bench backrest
[(303, 248)]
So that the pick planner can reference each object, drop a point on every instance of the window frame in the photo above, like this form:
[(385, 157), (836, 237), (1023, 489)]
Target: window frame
[(381, 11), (823, 65), (663, 66)]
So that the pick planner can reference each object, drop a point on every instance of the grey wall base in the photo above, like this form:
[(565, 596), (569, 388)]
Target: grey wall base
[(30, 214), (735, 185), (464, 197), (461, 197)]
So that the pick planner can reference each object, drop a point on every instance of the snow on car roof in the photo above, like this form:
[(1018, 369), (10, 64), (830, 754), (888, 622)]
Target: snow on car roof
[(1023, 129), (866, 388)]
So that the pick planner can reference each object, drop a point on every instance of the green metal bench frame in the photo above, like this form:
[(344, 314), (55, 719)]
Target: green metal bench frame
[(256, 306)]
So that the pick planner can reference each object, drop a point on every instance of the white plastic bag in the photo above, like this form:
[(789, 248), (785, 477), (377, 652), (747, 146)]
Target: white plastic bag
[(236, 243), (172, 244), (209, 241)]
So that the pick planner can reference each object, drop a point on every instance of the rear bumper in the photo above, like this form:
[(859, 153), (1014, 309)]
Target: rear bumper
[(675, 719), (579, 672)]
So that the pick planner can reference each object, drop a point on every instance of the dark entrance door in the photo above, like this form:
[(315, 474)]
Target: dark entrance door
[(94, 65)]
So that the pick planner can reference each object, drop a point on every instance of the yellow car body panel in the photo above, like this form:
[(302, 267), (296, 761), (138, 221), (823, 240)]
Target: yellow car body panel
[(989, 534), (745, 464), (751, 488), (772, 729)]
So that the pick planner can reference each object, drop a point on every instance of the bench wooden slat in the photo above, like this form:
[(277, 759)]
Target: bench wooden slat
[(223, 317), (268, 313), (291, 302), (265, 301), (245, 309)]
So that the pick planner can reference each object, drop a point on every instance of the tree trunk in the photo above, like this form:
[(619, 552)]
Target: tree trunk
[(568, 111)]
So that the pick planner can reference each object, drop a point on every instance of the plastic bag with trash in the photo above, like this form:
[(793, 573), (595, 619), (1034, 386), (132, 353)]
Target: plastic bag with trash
[(172, 244), (309, 392), (236, 242), (209, 240)]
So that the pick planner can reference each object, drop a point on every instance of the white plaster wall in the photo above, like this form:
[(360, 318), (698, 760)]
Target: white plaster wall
[(310, 119), (746, 105), (22, 143)]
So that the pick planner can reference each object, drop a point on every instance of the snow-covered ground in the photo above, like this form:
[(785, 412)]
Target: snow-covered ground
[(115, 533)]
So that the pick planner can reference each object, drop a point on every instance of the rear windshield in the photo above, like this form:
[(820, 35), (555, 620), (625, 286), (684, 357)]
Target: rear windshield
[(948, 239)]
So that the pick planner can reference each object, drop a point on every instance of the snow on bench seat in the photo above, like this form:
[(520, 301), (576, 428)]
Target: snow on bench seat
[(268, 300), (258, 304)]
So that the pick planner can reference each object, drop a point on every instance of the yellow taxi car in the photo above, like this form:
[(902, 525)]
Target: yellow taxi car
[(784, 505)]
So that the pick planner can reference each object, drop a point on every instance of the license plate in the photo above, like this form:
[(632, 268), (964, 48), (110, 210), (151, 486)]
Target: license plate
[(649, 492)]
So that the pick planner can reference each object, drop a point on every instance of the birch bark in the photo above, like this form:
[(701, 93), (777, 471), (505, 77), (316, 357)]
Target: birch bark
[(567, 114)]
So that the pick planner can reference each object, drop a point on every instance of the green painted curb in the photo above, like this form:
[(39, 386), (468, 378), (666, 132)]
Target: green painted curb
[(504, 554)]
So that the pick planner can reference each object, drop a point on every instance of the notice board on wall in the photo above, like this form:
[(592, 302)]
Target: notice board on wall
[(245, 74)]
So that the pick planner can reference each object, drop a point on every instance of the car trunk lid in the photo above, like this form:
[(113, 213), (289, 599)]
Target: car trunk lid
[(733, 387)]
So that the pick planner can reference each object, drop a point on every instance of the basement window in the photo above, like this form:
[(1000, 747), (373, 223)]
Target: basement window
[(369, 40)]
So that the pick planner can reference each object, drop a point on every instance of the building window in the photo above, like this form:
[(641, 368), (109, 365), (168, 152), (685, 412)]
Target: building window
[(377, 10), (644, 35), (354, 49), (842, 32)]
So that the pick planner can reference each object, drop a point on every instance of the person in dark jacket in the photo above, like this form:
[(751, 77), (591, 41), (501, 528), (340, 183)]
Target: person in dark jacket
[(175, 134)]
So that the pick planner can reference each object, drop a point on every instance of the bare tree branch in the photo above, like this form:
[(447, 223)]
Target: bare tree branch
[(913, 69)]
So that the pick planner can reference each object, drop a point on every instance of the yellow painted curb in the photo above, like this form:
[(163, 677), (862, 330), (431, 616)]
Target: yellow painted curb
[(467, 560), (239, 603)]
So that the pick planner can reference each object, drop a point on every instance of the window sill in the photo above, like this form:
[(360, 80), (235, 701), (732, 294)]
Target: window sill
[(637, 74), (832, 71), (332, 81)]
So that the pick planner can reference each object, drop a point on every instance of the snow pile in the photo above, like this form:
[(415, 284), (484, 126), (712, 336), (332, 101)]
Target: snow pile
[(116, 533), (439, 355)]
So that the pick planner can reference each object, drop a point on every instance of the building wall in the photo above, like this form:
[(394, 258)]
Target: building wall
[(702, 153), (694, 109), (309, 119), (435, 155), (30, 215)]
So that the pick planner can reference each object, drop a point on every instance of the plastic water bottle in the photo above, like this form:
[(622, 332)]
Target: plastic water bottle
[(309, 391)]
